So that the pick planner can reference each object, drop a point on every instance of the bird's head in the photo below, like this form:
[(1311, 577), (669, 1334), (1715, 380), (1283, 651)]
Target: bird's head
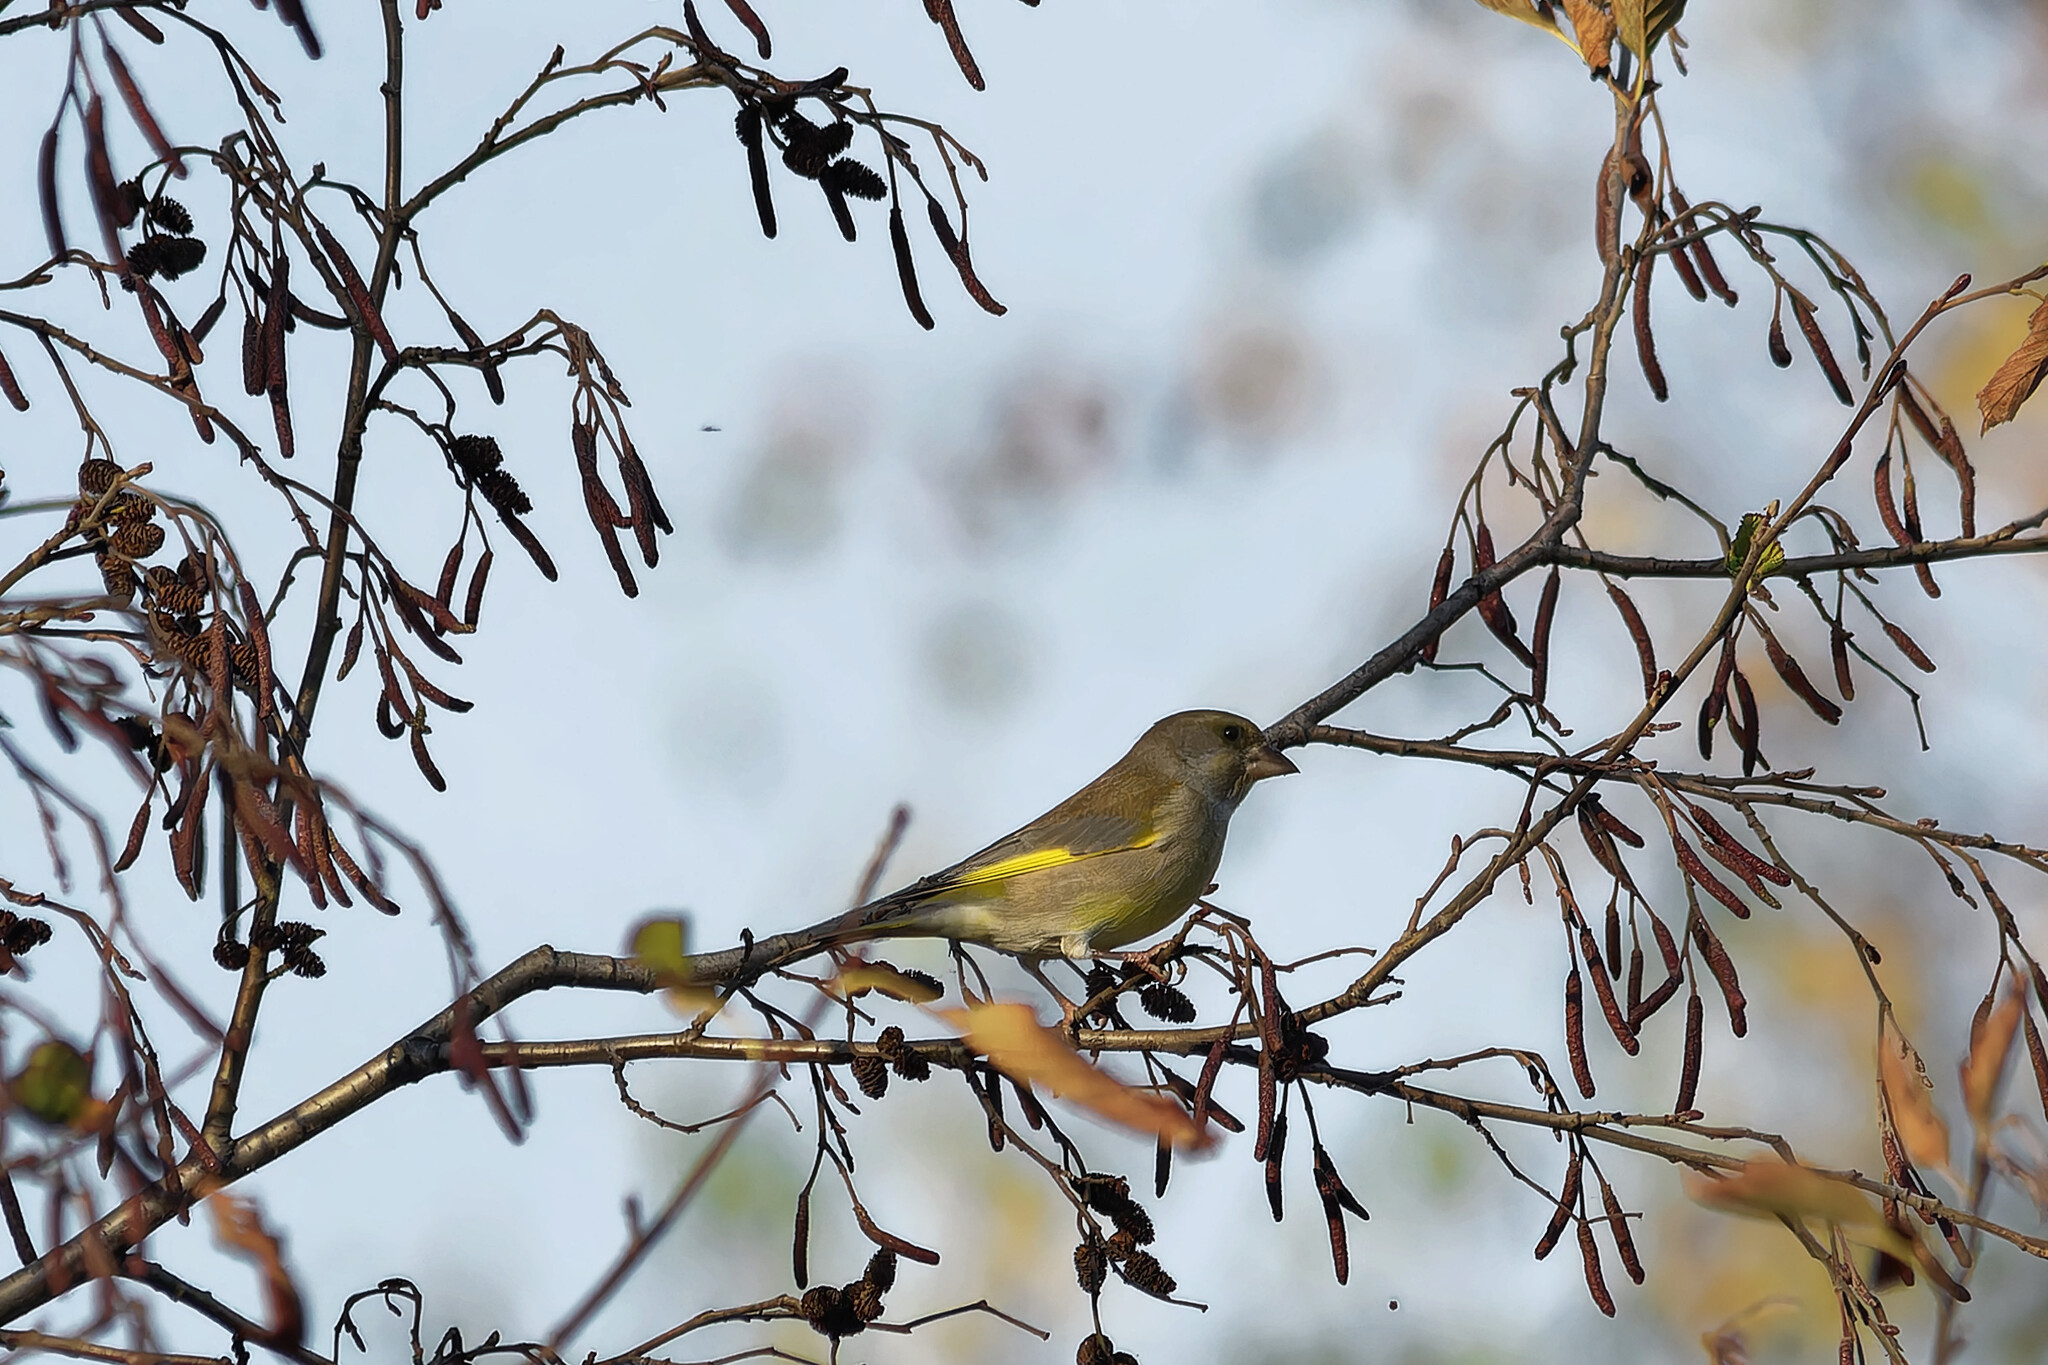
[(1217, 753)]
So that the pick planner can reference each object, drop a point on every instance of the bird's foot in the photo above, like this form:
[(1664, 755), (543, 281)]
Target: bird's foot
[(1152, 961)]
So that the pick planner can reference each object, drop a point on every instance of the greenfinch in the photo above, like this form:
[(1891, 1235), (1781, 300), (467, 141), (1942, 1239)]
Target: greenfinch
[(1117, 861)]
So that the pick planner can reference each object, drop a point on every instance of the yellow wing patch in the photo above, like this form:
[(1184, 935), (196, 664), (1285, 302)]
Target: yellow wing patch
[(1038, 860)]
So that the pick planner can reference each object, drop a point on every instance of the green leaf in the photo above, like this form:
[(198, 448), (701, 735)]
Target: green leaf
[(1642, 22), (1773, 557), (56, 1085)]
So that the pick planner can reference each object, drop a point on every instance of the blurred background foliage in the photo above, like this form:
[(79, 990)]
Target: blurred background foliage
[(1272, 270)]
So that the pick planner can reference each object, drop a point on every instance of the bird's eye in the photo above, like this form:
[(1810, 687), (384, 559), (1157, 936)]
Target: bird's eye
[(1232, 733)]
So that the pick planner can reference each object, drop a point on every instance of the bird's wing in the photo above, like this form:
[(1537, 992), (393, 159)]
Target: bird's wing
[(1046, 843)]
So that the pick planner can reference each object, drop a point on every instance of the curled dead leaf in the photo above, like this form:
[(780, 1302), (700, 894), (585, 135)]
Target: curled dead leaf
[(1990, 1045), (1020, 1047), (880, 976), (1781, 1189), (238, 1228), (1909, 1093), (2014, 382)]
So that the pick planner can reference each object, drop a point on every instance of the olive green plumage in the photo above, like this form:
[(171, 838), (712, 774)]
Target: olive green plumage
[(1116, 862)]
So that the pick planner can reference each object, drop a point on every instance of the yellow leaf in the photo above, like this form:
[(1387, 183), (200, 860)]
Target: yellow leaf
[(662, 945), (1990, 1043), (2015, 381), (880, 976), (1536, 13), (1023, 1049), (1630, 23), (1909, 1094)]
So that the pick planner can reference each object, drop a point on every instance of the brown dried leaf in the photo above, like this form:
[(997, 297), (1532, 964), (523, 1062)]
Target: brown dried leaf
[(238, 1228), (1909, 1093), (1778, 1189), (1011, 1037), (2014, 382), (1990, 1043), (1594, 29)]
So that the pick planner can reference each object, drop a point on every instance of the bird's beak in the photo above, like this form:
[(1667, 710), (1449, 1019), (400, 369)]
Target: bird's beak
[(1267, 761)]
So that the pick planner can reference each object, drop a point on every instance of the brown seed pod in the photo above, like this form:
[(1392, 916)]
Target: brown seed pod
[(96, 476), (1697, 873), (881, 1270), (1091, 1266), (1141, 1271), (906, 269), (1617, 1227), (1096, 1349), (1781, 354), (1169, 1003), (1710, 269), (1905, 644), (1274, 1150), (2037, 1055), (744, 12), (1575, 1031), (12, 387), (821, 1304), (1603, 988), (1493, 607), (1817, 342), (871, 1074), (1539, 640), (118, 576), (137, 539), (1689, 1067), (1646, 654), (1723, 968), (1596, 1281), (1439, 589), (1646, 341), (1687, 274), (1567, 1200), (956, 251)]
